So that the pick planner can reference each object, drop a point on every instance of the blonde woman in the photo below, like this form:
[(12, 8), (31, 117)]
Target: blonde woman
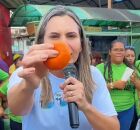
[(41, 95)]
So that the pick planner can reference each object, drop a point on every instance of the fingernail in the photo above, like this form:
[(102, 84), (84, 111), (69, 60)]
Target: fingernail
[(55, 52)]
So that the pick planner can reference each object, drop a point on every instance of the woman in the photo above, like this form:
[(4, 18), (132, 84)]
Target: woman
[(96, 58), (17, 58), (130, 56), (96, 111), (122, 92)]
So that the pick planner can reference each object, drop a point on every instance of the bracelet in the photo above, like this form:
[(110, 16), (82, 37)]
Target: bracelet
[(111, 85)]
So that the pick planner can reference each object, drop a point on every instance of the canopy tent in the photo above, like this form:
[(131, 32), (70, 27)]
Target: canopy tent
[(89, 16), (29, 13), (124, 20)]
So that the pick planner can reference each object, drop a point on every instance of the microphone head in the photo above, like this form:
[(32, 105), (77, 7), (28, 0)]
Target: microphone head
[(62, 59), (70, 71)]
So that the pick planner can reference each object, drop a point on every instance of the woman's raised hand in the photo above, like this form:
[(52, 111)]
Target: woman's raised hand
[(33, 67)]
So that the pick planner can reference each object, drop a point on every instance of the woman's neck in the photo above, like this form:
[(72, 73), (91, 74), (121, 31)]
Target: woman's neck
[(117, 63)]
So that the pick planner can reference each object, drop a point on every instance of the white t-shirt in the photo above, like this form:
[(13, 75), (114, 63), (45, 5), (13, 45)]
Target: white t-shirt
[(55, 116)]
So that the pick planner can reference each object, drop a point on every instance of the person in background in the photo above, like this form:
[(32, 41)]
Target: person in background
[(15, 121), (137, 65), (3, 78), (16, 63), (96, 58), (34, 79), (138, 68), (130, 56), (122, 92)]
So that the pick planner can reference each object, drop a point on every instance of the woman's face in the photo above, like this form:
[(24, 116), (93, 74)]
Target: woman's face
[(117, 53), (64, 28), (130, 56), (18, 63)]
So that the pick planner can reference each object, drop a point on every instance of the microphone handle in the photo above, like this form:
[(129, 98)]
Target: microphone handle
[(73, 115)]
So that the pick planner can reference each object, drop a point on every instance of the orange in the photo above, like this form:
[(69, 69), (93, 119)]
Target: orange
[(62, 59)]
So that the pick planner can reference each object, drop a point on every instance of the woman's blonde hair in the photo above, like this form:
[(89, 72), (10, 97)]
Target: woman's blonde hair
[(83, 62)]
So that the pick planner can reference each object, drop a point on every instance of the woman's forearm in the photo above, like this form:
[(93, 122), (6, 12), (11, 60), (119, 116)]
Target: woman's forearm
[(20, 98), (100, 121)]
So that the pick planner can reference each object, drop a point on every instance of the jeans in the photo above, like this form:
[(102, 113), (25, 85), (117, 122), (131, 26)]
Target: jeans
[(134, 121), (125, 118)]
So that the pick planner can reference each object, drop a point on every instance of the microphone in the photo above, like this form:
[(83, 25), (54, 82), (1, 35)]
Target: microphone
[(71, 71)]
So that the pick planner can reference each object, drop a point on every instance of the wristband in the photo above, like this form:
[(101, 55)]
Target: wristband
[(111, 85)]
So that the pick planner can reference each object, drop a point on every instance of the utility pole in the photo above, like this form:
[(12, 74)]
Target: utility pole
[(99, 3), (109, 4), (109, 7)]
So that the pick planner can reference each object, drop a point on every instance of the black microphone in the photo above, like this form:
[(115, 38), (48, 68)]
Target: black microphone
[(71, 71)]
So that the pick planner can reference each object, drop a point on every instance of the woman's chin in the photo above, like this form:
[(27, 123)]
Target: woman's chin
[(71, 62)]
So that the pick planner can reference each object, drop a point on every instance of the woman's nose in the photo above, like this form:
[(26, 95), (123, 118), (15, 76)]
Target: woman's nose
[(64, 39)]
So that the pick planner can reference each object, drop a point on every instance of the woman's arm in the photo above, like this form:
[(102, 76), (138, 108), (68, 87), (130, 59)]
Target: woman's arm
[(117, 84), (20, 95), (100, 121), (20, 98), (135, 80), (136, 83)]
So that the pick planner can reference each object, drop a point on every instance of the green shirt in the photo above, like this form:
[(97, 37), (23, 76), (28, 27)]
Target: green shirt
[(138, 65), (137, 98), (3, 88), (122, 99), (3, 75)]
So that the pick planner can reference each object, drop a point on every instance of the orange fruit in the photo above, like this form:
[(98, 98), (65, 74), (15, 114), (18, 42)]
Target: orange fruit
[(62, 59)]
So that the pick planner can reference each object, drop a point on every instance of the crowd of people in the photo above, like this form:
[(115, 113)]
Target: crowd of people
[(122, 92), (38, 97), (14, 122)]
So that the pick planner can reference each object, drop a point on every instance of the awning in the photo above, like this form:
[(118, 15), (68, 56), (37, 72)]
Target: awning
[(29, 13), (89, 16)]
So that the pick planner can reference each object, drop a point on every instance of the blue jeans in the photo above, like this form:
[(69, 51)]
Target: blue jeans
[(125, 118), (15, 125), (134, 121)]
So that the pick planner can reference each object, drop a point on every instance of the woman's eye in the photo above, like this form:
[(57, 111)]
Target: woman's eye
[(71, 36), (54, 36)]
